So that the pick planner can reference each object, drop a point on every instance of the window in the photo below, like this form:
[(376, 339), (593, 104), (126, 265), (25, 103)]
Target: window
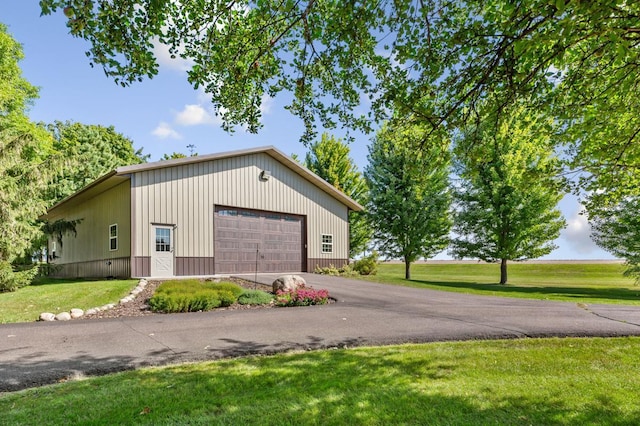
[(113, 237), (163, 239), (327, 243)]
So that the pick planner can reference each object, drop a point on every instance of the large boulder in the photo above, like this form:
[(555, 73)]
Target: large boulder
[(288, 283)]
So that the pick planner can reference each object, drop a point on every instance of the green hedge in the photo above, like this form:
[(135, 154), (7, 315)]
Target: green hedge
[(193, 295)]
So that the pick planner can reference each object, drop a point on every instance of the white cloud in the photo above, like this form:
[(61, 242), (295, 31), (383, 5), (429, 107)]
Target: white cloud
[(161, 51), (266, 104), (578, 233), (194, 115), (164, 131)]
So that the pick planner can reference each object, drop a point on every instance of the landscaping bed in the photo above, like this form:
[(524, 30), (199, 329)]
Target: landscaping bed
[(140, 305)]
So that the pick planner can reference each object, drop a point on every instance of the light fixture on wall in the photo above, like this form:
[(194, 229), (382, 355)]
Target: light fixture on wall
[(265, 175)]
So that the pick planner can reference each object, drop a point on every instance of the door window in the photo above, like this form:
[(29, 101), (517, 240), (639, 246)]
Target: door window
[(163, 239)]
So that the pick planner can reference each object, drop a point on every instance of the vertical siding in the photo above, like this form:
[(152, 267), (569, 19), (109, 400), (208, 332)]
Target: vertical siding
[(98, 213), (185, 196)]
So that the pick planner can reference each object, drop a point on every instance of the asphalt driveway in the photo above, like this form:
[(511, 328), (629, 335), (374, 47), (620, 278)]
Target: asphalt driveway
[(32, 354)]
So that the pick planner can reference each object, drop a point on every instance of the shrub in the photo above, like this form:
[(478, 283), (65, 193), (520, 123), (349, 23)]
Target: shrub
[(302, 296), (255, 297), (345, 270), (226, 297), (11, 280), (193, 295), (175, 302), (368, 265), (234, 289)]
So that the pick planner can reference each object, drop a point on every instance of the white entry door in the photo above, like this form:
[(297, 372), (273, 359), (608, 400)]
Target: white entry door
[(162, 251)]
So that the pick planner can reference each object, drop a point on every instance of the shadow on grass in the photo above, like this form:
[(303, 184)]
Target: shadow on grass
[(610, 293), (330, 387)]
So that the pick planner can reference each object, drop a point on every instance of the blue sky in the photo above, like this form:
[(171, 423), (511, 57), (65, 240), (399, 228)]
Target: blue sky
[(166, 114)]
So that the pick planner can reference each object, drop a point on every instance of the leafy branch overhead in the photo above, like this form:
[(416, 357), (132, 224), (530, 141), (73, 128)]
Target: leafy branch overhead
[(433, 59)]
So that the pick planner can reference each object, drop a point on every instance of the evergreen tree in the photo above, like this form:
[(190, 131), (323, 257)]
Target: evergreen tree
[(329, 159)]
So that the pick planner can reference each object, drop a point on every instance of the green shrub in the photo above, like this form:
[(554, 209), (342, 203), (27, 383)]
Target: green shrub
[(368, 265), (345, 270), (255, 297), (192, 295), (234, 289), (11, 280), (226, 297)]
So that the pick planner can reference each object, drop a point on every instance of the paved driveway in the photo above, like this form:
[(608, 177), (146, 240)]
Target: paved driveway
[(32, 354)]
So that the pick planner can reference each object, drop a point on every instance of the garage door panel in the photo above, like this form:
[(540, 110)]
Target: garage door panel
[(276, 239)]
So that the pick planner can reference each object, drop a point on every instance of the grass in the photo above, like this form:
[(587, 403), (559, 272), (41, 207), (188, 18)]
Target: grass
[(519, 382), (57, 295), (576, 282)]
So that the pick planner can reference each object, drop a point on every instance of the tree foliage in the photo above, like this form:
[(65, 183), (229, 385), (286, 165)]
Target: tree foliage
[(329, 159), (508, 191), (88, 151), (617, 230), (434, 59), (409, 193), (24, 148)]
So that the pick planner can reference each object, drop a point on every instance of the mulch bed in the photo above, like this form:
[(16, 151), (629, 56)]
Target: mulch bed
[(139, 307)]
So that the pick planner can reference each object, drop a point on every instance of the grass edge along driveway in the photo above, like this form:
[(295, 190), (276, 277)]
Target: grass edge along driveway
[(529, 381)]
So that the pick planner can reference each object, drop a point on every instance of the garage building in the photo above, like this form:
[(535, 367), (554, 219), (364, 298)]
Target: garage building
[(227, 213)]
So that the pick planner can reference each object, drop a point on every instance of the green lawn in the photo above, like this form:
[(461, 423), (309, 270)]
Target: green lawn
[(577, 282), (56, 296), (514, 382)]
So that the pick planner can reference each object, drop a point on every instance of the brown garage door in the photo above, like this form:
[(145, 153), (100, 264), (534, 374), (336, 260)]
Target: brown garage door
[(242, 236)]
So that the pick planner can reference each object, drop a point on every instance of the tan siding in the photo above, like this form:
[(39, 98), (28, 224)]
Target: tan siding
[(98, 213), (185, 195)]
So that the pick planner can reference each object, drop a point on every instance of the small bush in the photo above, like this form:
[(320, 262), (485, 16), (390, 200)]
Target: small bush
[(226, 297), (11, 280), (234, 289), (368, 265), (255, 297), (302, 296), (345, 270), (193, 295)]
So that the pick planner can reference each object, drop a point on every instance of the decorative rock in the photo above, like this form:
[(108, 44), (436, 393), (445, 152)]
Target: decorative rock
[(47, 316), (76, 313), (91, 311), (63, 316), (288, 282)]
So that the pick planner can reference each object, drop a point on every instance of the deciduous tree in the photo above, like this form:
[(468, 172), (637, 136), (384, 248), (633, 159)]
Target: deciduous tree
[(617, 230), (409, 192), (87, 151), (508, 190), (329, 159)]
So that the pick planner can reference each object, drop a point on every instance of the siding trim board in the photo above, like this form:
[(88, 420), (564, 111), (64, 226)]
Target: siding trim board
[(186, 266), (141, 266), (106, 268)]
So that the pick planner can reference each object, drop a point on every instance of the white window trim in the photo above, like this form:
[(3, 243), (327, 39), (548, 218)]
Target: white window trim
[(323, 244), (113, 237)]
